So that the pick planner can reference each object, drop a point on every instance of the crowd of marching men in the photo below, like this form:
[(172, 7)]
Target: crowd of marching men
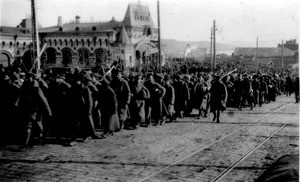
[(74, 103)]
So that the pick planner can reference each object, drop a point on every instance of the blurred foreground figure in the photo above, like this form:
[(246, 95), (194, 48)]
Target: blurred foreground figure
[(32, 101)]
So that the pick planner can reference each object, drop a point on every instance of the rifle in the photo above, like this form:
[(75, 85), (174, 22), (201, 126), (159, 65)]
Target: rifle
[(227, 73)]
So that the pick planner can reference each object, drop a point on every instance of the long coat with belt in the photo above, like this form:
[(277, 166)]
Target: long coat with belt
[(32, 100), (122, 90), (137, 105), (169, 99), (83, 105), (218, 96), (157, 92), (108, 105), (201, 95)]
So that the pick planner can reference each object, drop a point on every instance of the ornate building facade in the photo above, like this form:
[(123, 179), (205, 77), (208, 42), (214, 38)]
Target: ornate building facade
[(16, 43), (132, 41)]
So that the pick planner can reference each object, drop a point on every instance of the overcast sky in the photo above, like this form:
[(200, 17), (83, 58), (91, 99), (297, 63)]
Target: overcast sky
[(189, 20)]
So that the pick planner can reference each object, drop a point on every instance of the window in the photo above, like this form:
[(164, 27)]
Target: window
[(66, 56), (83, 56), (101, 56)]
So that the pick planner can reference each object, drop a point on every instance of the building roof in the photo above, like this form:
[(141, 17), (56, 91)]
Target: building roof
[(123, 37), (15, 31), (83, 27), (138, 15), (263, 51)]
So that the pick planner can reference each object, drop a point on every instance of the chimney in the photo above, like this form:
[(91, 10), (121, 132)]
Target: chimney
[(77, 19), (59, 21)]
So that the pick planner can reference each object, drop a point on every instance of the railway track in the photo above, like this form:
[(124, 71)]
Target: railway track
[(215, 160)]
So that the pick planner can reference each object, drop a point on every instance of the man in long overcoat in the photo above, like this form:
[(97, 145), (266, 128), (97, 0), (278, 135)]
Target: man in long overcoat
[(154, 104), (137, 105), (122, 90), (218, 98), (108, 105), (32, 100)]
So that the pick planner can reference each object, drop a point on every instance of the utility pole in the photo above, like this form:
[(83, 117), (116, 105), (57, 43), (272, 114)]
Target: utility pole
[(35, 38), (282, 53), (210, 50), (256, 48), (159, 47), (256, 54), (214, 46)]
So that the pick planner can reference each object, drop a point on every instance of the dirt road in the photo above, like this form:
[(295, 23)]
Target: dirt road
[(188, 149)]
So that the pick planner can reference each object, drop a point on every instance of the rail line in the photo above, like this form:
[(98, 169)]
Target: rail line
[(249, 152), (209, 145)]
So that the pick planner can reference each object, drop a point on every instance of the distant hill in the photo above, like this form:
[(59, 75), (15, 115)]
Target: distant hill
[(175, 48)]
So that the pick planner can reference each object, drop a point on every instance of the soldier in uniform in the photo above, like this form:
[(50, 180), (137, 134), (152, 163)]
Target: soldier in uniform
[(218, 98), (122, 90), (169, 97), (154, 104), (137, 105), (263, 91), (32, 100), (182, 96), (108, 104), (247, 93), (201, 96), (256, 88)]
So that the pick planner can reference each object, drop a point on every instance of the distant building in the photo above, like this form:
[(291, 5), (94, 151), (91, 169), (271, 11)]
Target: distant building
[(97, 43), (132, 41), (249, 52), (291, 44), (15, 43)]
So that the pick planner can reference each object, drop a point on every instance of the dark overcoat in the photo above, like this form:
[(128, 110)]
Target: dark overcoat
[(218, 96), (123, 93)]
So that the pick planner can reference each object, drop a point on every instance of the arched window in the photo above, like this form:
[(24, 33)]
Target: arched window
[(50, 55), (94, 40), (77, 29), (106, 42), (77, 42), (60, 29), (60, 42), (4, 59), (55, 42), (66, 42), (66, 56), (94, 28), (100, 55), (3, 44), (83, 56), (71, 41), (50, 42), (100, 41)]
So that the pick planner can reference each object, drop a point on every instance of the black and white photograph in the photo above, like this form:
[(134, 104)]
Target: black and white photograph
[(149, 90)]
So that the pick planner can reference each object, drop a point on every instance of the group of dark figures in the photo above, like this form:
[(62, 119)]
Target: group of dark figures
[(72, 104)]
